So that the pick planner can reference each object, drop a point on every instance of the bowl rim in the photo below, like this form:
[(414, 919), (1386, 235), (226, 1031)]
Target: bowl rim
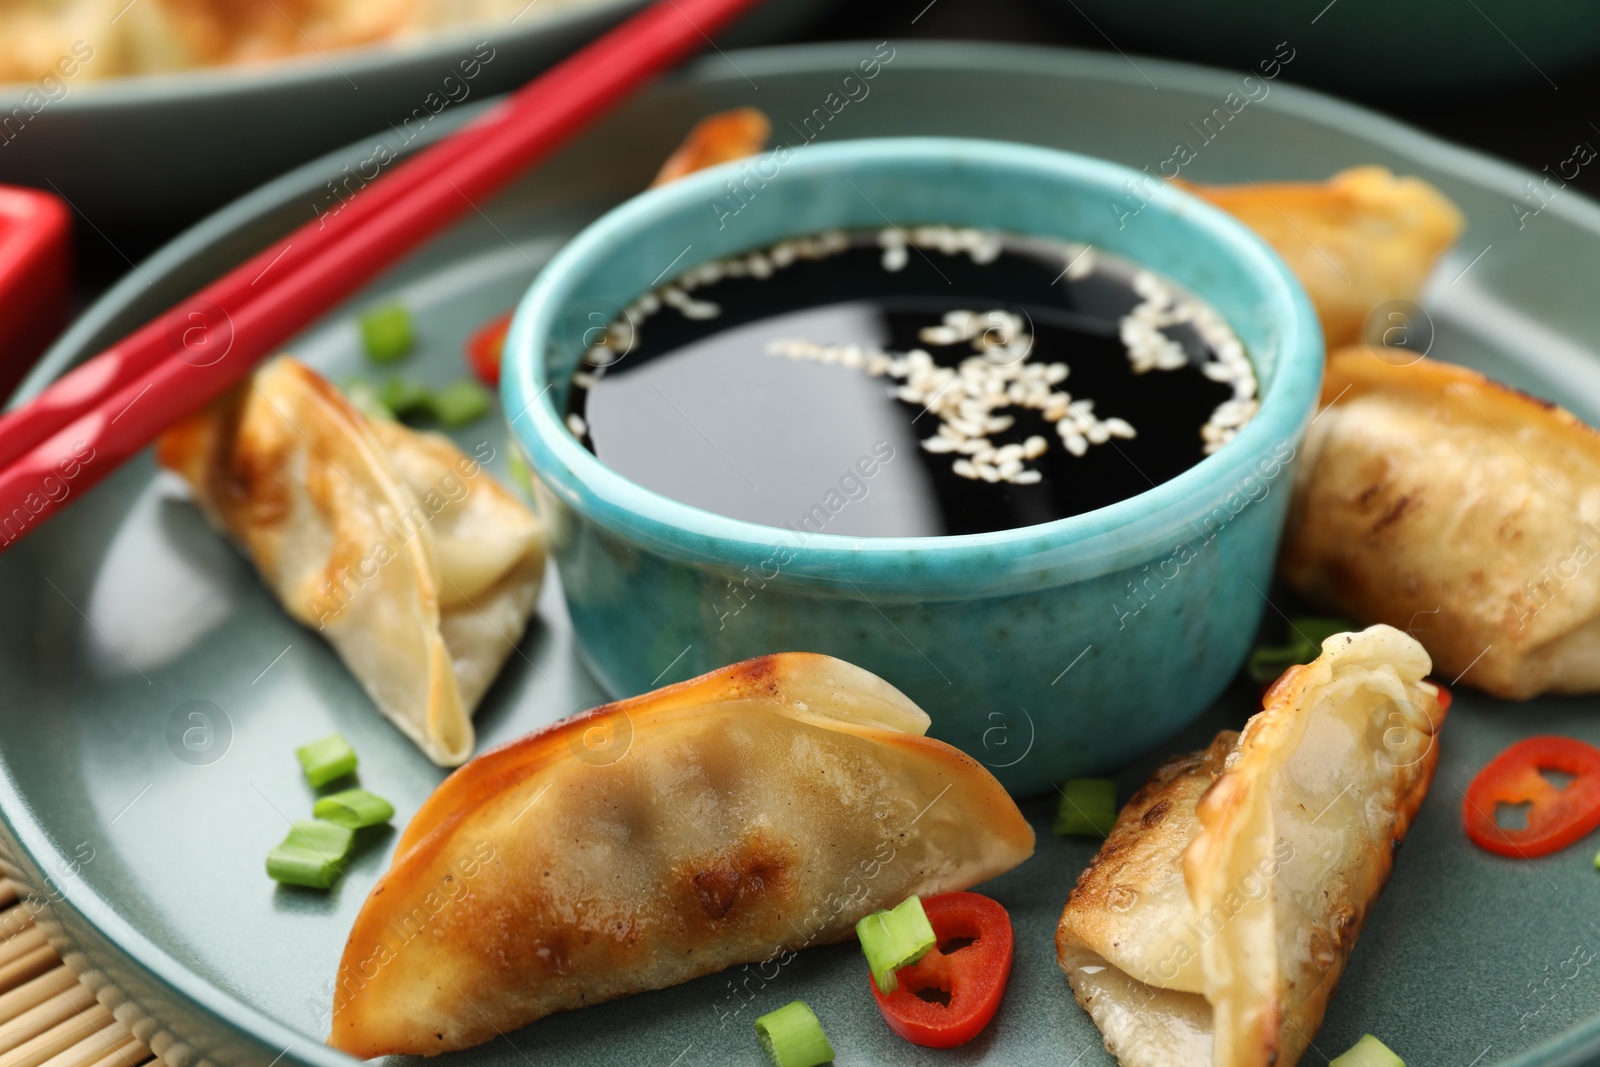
[(684, 531)]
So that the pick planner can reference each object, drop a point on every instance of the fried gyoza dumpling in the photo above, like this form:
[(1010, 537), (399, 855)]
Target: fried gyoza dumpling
[(1214, 924), (718, 138), (756, 810), (1433, 499), (1359, 239), (414, 564)]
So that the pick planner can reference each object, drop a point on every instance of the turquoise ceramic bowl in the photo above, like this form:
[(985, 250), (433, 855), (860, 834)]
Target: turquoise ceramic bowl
[(1047, 651)]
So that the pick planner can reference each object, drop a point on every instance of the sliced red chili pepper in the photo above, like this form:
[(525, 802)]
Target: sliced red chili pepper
[(484, 349), (1443, 697), (1557, 815), (950, 994)]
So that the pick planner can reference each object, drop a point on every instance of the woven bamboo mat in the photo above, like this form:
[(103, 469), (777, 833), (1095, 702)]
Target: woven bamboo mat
[(47, 1017)]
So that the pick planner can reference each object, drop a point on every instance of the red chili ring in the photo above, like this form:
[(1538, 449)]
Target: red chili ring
[(1557, 816), (961, 979)]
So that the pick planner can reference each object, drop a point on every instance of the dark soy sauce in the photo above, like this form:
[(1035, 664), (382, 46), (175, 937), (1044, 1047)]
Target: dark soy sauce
[(795, 387)]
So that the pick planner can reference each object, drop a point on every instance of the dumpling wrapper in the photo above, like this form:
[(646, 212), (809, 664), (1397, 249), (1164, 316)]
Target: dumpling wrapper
[(718, 138), (756, 810), (1436, 500), (409, 558), (1355, 241), (1213, 925)]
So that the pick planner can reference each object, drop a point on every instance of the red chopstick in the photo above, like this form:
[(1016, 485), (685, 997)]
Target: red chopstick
[(106, 410), (196, 321)]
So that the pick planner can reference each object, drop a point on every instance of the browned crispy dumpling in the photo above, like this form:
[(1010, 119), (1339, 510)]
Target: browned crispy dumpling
[(1436, 500), (754, 811), (1214, 924), (1355, 241), (718, 138), (396, 546)]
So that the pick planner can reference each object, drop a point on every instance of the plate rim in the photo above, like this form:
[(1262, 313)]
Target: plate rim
[(26, 830)]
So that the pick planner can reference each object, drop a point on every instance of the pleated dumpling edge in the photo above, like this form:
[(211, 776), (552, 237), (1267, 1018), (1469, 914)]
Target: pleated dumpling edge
[(395, 545)]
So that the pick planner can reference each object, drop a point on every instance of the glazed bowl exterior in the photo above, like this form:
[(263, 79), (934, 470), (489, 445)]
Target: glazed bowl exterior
[(1047, 651)]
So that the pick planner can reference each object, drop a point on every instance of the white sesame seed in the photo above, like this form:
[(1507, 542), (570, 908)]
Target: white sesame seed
[(964, 468), (700, 309), (1028, 477), (987, 248), (1080, 262), (576, 424)]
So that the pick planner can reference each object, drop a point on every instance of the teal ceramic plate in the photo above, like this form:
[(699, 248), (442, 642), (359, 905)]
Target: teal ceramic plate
[(126, 614)]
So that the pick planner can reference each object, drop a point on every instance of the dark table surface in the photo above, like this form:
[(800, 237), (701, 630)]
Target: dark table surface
[(1532, 126)]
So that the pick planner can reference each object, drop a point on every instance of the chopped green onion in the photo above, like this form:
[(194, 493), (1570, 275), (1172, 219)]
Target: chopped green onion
[(460, 402), (894, 939), (1088, 807), (1368, 1052), (1306, 635), (311, 854), (793, 1037), (353, 808), (327, 759), (363, 396), (405, 396), (386, 333)]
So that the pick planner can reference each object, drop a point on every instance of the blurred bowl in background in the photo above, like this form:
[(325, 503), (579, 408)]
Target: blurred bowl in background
[(147, 154)]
